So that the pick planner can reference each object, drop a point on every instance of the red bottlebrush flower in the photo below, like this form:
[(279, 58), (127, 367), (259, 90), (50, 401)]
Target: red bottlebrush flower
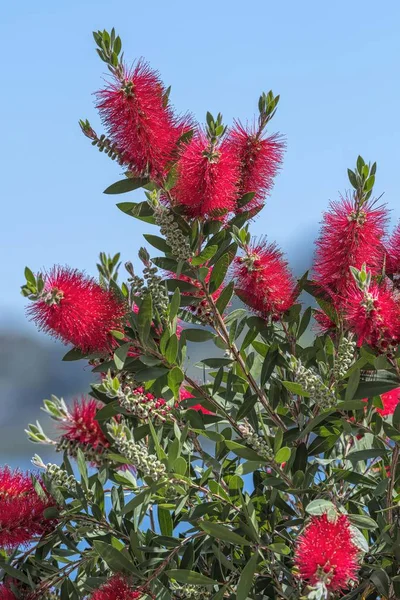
[(138, 122), (206, 183), (184, 394), (81, 425), (259, 159), (348, 239), (263, 280), (116, 588), (374, 316), (390, 401), (77, 310), (326, 552), (6, 593), (21, 509), (393, 253)]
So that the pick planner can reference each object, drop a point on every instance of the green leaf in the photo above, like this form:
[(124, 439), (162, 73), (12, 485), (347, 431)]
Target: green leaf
[(225, 297), (120, 355), (312, 424), (172, 349), (244, 452), (74, 354), (157, 242), (174, 304), (381, 581), (145, 317), (319, 507), (219, 272), (352, 384), (363, 522), (279, 548), (220, 532), (217, 362), (151, 373), (283, 455), (198, 335), (114, 558), (269, 366), (127, 185), (175, 378), (352, 178), (192, 577), (295, 388), (138, 210), (305, 320), (246, 578), (358, 455), (82, 466), (16, 573), (204, 256), (165, 521)]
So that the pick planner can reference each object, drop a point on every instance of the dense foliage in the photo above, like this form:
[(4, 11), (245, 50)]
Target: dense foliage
[(271, 471)]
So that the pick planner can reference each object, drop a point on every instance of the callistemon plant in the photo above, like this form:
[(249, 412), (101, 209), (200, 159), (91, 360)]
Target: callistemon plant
[(268, 469)]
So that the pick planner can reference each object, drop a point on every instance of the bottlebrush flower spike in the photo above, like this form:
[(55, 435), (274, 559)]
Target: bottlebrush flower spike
[(81, 429), (263, 280), (259, 159), (326, 552), (393, 253), (184, 394), (77, 310), (138, 120), (348, 238), (207, 176), (116, 588), (21, 509), (374, 316)]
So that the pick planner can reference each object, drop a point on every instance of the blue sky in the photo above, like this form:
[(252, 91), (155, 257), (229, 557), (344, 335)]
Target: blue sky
[(336, 66)]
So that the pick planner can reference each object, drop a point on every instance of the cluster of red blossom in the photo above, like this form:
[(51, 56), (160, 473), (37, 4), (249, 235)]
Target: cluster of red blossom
[(81, 426), (353, 236), (21, 509), (212, 175)]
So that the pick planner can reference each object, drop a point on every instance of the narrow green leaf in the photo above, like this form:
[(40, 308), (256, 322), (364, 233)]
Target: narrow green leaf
[(114, 558), (127, 185), (120, 355), (246, 578), (204, 256), (145, 317), (192, 577), (165, 521), (220, 532)]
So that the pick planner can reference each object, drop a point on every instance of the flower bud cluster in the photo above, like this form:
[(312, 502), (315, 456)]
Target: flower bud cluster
[(312, 383), (60, 477), (143, 404), (137, 453), (255, 441), (344, 357), (135, 399), (95, 456), (191, 592), (156, 288), (178, 243)]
